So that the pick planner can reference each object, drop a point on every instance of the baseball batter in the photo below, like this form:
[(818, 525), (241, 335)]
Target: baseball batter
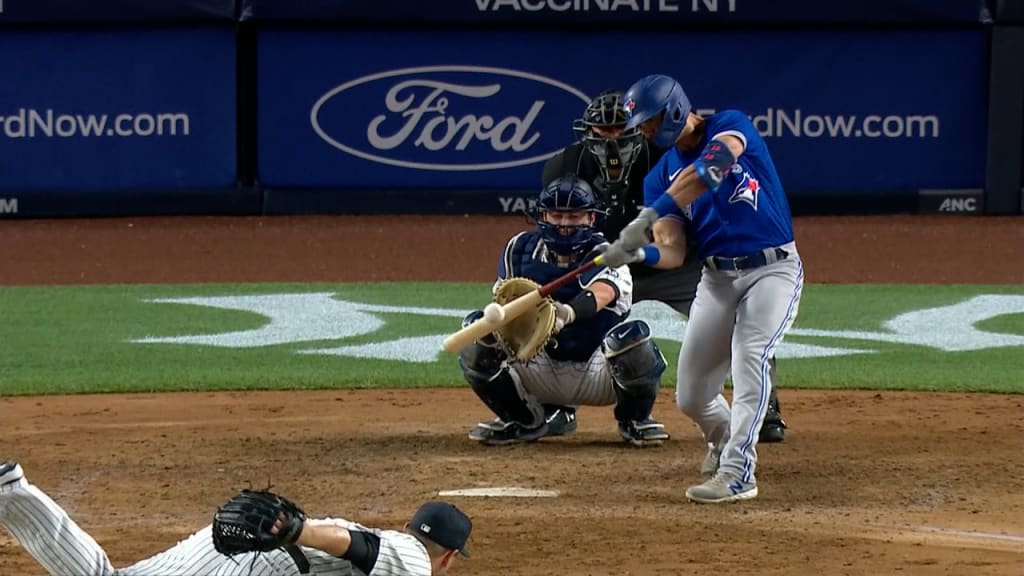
[(614, 161), (718, 185), (326, 547), (596, 357)]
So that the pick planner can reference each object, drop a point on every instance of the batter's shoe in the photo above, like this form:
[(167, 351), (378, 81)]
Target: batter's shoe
[(561, 420), (722, 487), (711, 462), (641, 433), (497, 432), (11, 475), (774, 427)]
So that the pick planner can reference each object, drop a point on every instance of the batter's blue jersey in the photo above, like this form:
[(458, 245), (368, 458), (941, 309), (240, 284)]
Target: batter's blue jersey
[(749, 211), (526, 256)]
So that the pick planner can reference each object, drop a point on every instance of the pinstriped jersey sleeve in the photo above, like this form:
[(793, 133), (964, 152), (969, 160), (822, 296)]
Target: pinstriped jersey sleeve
[(400, 554)]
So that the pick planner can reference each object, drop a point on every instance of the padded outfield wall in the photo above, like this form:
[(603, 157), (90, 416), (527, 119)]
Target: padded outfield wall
[(337, 106)]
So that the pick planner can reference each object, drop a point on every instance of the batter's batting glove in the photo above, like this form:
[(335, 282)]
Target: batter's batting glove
[(614, 255), (638, 232)]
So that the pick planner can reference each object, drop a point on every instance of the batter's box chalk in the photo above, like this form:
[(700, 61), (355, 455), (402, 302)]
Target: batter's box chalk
[(500, 492)]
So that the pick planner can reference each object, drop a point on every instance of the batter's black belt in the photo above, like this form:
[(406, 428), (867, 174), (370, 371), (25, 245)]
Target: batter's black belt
[(748, 262)]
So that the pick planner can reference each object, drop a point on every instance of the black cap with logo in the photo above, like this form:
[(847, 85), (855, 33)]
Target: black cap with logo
[(443, 524)]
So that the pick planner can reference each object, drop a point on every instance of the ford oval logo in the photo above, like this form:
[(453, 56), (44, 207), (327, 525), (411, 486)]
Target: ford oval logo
[(456, 118)]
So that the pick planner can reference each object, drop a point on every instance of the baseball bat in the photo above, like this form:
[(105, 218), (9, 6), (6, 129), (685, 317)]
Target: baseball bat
[(480, 328)]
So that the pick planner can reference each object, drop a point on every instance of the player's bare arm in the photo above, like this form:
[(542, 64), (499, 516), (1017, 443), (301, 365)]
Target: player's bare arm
[(330, 538), (670, 240), (604, 293)]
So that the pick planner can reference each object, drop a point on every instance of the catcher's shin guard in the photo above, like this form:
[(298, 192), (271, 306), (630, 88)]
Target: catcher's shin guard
[(483, 366), (637, 365)]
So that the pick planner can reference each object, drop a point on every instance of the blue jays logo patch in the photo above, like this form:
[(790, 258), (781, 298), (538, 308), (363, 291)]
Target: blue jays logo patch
[(746, 191), (628, 106)]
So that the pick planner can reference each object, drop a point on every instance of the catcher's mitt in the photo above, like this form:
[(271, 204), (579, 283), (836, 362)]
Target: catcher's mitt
[(526, 335), (243, 523)]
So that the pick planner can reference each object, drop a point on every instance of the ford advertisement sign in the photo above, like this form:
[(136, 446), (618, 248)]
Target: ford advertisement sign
[(441, 117), (479, 111)]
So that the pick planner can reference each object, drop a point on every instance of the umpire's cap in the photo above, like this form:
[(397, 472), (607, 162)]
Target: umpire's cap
[(443, 524)]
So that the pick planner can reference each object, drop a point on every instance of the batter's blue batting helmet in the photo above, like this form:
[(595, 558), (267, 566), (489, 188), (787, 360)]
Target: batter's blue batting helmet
[(566, 194), (652, 95)]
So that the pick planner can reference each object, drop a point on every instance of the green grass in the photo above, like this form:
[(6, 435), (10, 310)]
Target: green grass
[(79, 339)]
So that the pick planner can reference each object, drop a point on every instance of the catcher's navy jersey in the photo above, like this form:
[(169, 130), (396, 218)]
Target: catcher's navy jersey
[(749, 211), (526, 256)]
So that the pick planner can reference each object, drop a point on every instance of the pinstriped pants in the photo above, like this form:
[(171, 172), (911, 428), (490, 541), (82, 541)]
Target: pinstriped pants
[(547, 381), (60, 546)]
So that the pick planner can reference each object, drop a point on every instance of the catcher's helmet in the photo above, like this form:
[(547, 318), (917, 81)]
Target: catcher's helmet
[(567, 194), (615, 155), (653, 95)]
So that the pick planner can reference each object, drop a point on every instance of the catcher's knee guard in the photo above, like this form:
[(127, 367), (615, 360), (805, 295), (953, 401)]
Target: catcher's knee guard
[(483, 366), (637, 365)]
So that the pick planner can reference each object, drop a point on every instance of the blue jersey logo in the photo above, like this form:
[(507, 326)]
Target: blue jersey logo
[(718, 220), (746, 190)]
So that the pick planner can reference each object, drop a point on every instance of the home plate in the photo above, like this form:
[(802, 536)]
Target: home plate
[(500, 492)]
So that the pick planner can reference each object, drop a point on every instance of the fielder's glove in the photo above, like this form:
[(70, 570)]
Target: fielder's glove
[(243, 524), (527, 334)]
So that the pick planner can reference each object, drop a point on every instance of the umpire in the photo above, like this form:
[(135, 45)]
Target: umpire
[(615, 162)]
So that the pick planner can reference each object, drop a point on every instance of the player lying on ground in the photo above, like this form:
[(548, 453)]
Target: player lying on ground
[(596, 356), (614, 161), (717, 183), (242, 541)]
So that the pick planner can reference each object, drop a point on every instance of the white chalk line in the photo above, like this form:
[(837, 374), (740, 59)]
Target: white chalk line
[(954, 532)]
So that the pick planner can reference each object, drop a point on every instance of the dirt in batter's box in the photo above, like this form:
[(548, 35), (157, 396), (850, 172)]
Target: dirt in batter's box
[(866, 483)]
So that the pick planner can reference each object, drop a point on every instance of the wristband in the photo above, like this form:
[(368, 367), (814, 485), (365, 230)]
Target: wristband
[(714, 163), (651, 255), (584, 305), (665, 205)]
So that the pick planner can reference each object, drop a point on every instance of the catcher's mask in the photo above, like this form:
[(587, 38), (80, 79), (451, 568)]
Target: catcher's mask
[(602, 129), (567, 215)]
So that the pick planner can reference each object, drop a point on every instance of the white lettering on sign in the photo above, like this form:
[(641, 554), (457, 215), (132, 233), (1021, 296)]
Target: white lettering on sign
[(499, 110), (603, 5), (298, 318)]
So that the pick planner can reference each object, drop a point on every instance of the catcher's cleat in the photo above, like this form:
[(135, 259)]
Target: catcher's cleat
[(648, 432), (774, 427), (11, 475), (561, 420), (497, 432)]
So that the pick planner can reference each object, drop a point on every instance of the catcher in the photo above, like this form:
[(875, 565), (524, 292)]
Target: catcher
[(579, 347), (255, 533)]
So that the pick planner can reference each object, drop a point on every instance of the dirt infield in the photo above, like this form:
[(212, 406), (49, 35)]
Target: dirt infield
[(866, 483)]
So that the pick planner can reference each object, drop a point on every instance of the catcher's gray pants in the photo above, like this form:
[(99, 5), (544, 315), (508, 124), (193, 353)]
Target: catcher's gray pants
[(61, 547), (547, 381)]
